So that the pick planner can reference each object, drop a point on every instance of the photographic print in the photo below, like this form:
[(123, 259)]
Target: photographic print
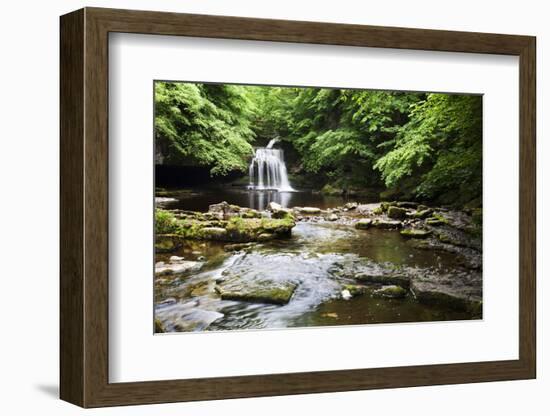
[(293, 207)]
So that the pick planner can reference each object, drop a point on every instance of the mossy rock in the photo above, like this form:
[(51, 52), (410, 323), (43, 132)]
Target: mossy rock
[(363, 224), (415, 233), (159, 328), (386, 224), (251, 213), (422, 214), (397, 213), (277, 293), (378, 211), (384, 279), (434, 222), (390, 292), (355, 290), (167, 243), (282, 214)]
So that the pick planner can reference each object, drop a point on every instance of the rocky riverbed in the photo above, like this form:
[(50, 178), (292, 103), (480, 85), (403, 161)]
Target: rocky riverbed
[(235, 267)]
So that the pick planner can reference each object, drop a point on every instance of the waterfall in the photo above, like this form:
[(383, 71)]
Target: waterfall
[(268, 170)]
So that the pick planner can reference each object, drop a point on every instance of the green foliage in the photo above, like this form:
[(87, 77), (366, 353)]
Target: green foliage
[(165, 222), (426, 146), (204, 124)]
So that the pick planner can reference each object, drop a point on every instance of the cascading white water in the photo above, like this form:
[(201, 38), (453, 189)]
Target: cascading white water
[(268, 170)]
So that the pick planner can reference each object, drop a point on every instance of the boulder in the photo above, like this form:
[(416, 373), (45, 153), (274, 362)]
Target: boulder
[(256, 291), (223, 210), (386, 224), (281, 214), (333, 217), (436, 294), (363, 224), (274, 207), (415, 233), (351, 205), (397, 213), (391, 292)]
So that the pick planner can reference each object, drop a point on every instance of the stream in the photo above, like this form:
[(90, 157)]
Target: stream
[(312, 258)]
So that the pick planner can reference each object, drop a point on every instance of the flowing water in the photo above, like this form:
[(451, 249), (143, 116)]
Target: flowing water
[(267, 170), (311, 258)]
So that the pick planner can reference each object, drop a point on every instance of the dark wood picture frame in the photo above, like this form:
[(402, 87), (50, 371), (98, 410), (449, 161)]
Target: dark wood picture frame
[(84, 207)]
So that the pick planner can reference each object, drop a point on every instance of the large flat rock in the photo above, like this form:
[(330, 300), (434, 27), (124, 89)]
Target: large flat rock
[(257, 291)]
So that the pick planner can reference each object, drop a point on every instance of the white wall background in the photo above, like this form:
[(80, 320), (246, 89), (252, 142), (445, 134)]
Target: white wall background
[(29, 213)]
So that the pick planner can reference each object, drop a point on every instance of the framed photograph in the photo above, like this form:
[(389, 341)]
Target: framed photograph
[(257, 207)]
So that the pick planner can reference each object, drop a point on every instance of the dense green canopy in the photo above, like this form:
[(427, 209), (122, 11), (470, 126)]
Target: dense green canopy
[(426, 146)]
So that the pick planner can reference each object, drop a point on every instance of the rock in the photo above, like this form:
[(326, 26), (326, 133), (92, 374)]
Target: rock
[(180, 267), (386, 224), (354, 290), (159, 263), (281, 214), (166, 244), (251, 213), (363, 224), (415, 233), (421, 214), (265, 237), (434, 222), (223, 210), (175, 259), (346, 295), (351, 205), (397, 213), (454, 298), (310, 210), (256, 291), (384, 279), (214, 233), (378, 211), (391, 292), (406, 204), (274, 207), (159, 328), (333, 217)]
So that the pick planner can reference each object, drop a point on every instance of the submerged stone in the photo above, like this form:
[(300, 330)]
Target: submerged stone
[(256, 291), (435, 294), (391, 292), (384, 279), (415, 233)]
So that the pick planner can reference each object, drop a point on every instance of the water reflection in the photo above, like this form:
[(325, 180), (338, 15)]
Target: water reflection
[(200, 199)]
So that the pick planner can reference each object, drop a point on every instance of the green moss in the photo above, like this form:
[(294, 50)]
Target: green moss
[(165, 222), (159, 328), (378, 211), (397, 213), (393, 292)]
